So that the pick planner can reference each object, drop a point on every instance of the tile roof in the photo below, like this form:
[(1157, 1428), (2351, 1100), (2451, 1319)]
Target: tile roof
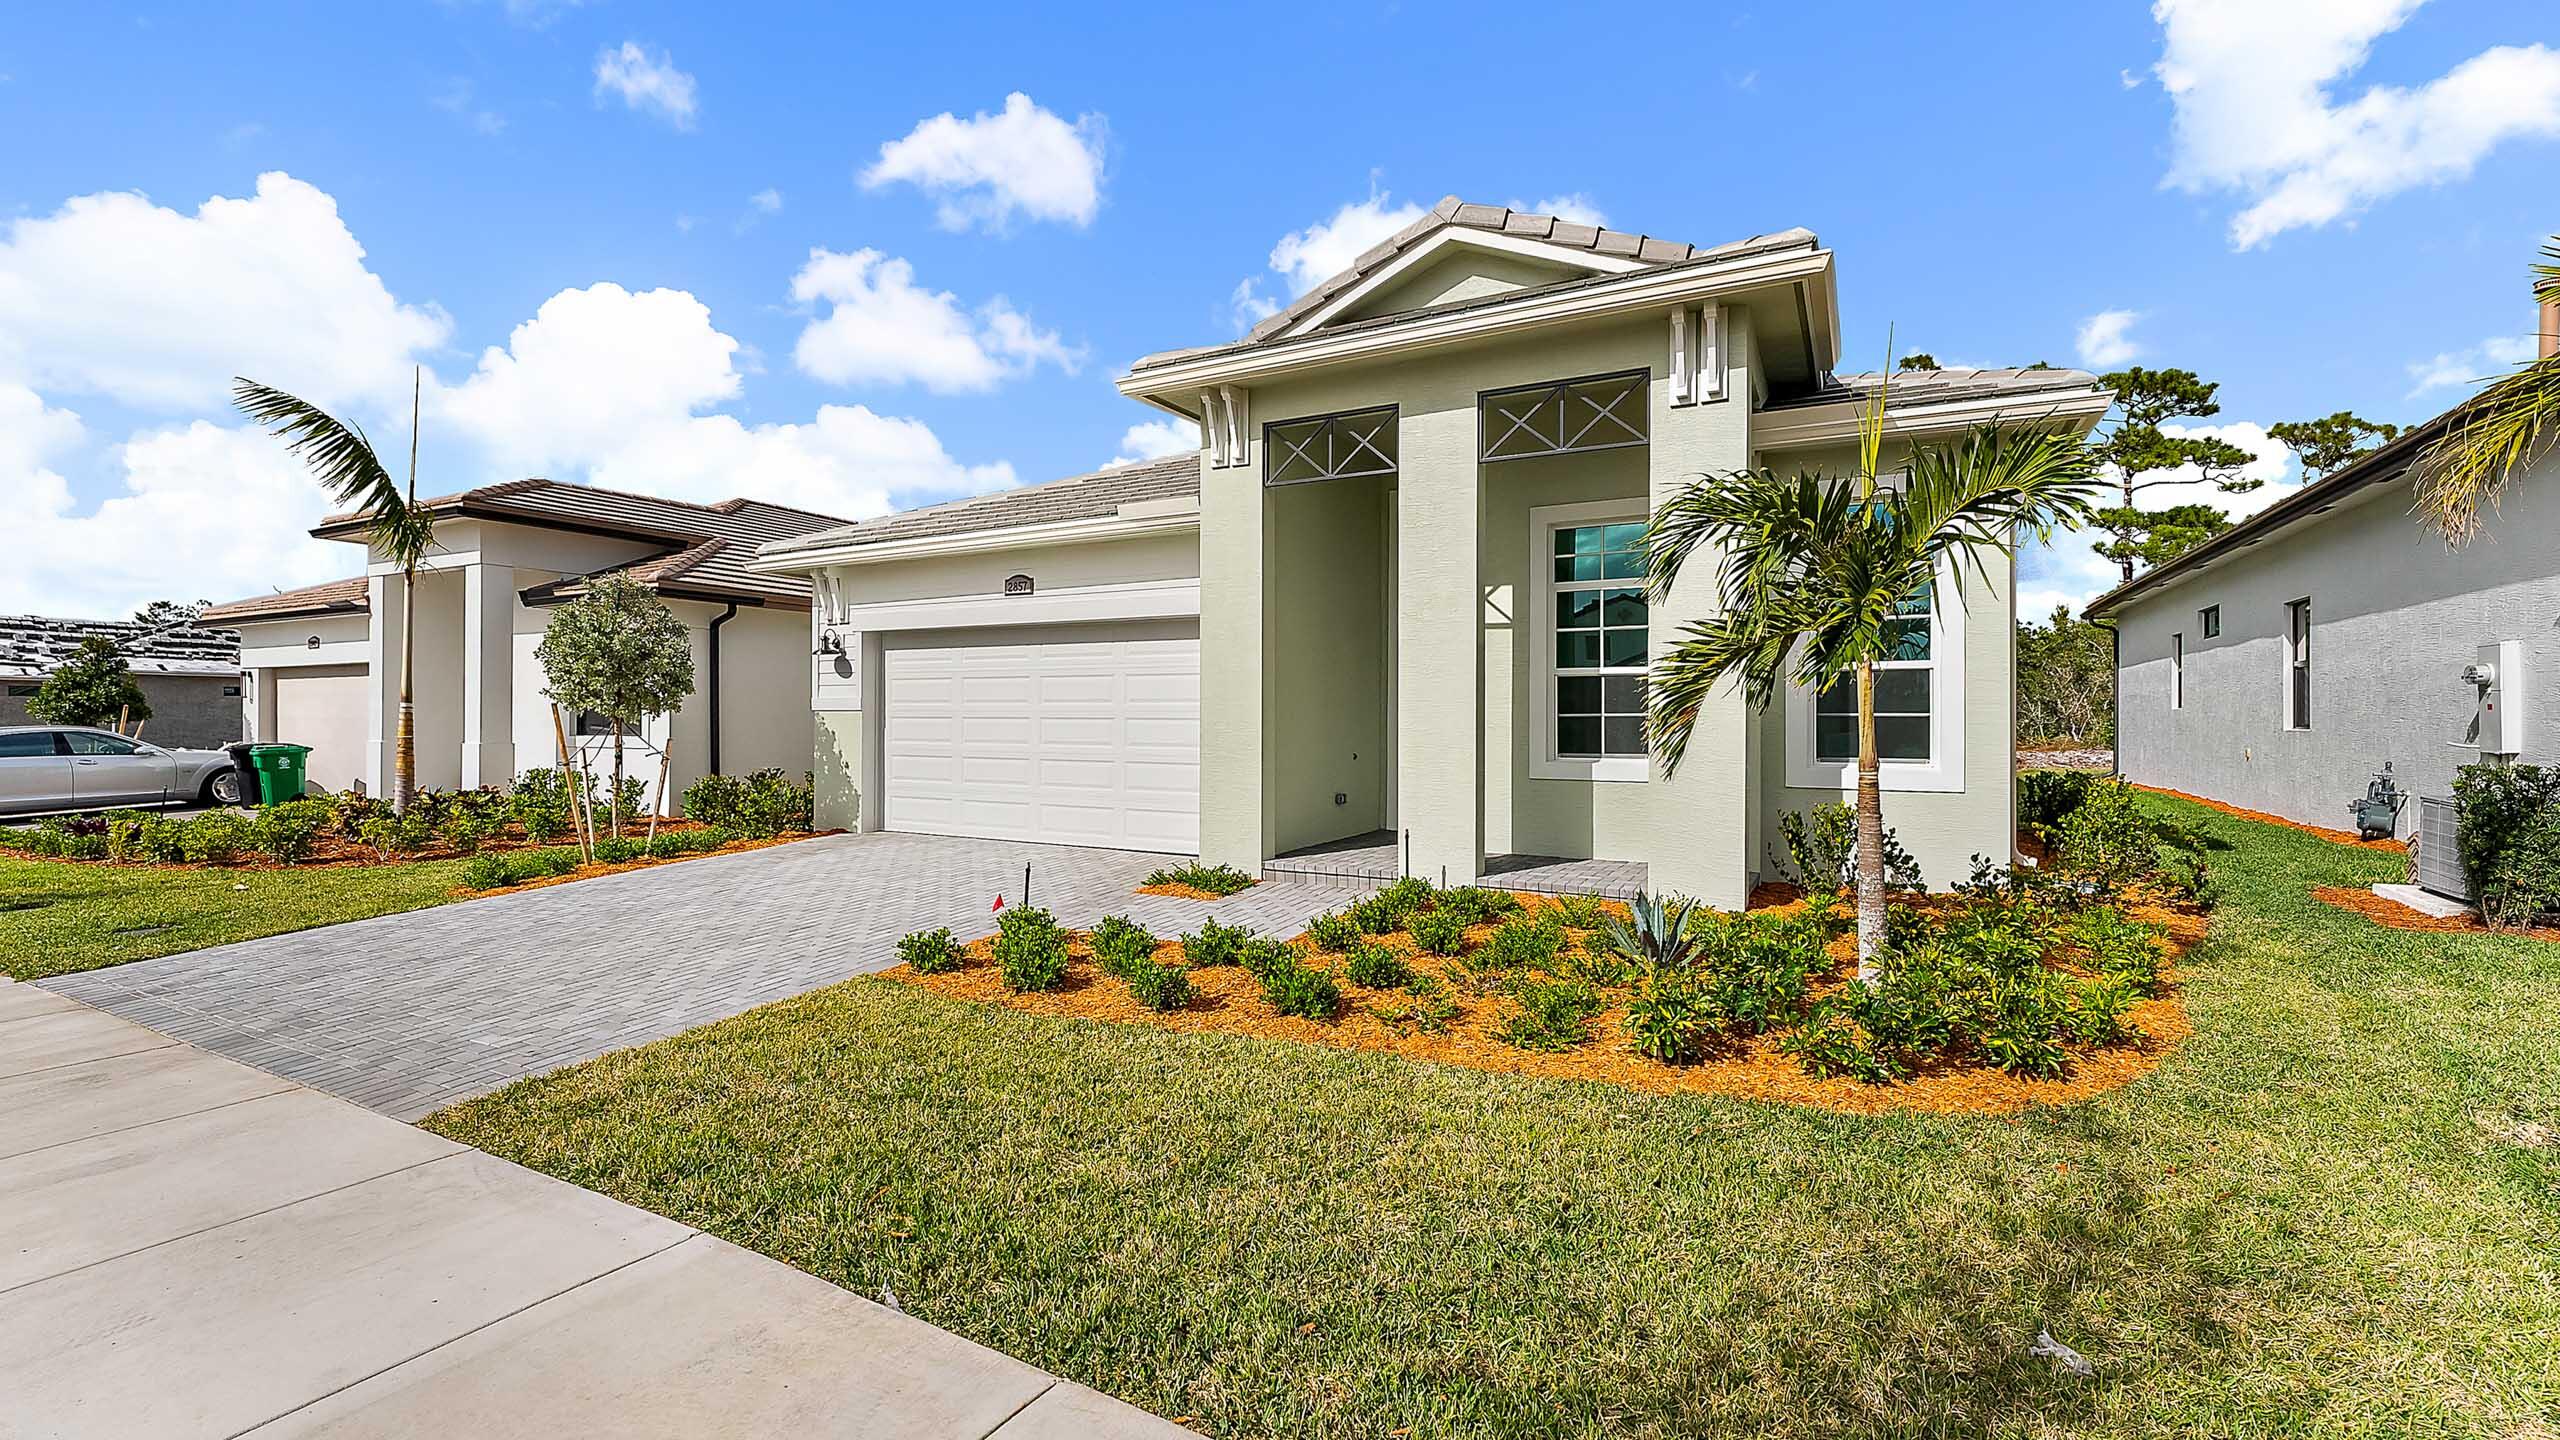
[(352, 595), (706, 547), (1931, 387), (1646, 250), (1078, 497), (33, 645)]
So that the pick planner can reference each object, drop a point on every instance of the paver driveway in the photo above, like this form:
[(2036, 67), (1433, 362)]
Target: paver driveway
[(408, 1013)]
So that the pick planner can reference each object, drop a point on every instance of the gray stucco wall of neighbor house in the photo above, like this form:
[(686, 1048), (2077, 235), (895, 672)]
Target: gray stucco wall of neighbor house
[(187, 711), (2395, 615)]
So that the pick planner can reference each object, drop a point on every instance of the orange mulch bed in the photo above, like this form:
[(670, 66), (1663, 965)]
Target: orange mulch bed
[(1227, 1000), (589, 872), (2383, 911), (2341, 837), (1184, 892)]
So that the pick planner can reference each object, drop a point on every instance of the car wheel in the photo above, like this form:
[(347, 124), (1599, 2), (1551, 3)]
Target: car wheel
[(223, 788)]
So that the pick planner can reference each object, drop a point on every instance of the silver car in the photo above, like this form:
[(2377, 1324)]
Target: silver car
[(78, 767)]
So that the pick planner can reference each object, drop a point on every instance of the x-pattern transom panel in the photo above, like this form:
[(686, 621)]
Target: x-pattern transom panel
[(1605, 412), (1331, 447)]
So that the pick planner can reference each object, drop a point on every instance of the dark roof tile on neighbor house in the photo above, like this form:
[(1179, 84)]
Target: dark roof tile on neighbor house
[(351, 596), (704, 549), (1078, 497), (36, 645)]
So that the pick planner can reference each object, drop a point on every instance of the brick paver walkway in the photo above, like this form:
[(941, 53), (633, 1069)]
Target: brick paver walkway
[(407, 1013)]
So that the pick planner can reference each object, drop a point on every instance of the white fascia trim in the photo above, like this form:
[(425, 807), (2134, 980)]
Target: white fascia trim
[(1838, 424), (1635, 291), (1137, 600), (1943, 772), (1587, 261), (974, 542), (1544, 763)]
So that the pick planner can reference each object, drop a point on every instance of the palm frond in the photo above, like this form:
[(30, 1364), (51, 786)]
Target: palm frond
[(344, 462), (2494, 434)]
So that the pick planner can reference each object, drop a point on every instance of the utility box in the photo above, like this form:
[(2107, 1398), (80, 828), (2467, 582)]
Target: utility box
[(2498, 676)]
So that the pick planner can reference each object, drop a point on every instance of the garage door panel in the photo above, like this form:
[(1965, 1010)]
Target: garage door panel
[(326, 708), (1074, 742)]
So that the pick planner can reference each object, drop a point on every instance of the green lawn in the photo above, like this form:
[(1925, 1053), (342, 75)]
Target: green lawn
[(60, 916), (2336, 1212)]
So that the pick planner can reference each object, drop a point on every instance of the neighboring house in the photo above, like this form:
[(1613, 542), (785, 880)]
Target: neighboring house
[(2278, 665), (324, 662), (1396, 601), (190, 673)]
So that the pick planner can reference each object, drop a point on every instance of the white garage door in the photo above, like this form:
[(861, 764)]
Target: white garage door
[(323, 706), (1069, 739)]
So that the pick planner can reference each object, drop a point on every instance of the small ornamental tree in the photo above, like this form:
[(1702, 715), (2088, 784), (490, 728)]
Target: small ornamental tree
[(619, 652), (94, 687)]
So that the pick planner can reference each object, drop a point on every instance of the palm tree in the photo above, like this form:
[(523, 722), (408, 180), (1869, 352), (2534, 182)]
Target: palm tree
[(2496, 433), (1814, 571), (354, 476)]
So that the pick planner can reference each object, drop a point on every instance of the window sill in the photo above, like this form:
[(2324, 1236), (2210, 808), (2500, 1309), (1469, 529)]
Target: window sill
[(1905, 776), (1619, 770)]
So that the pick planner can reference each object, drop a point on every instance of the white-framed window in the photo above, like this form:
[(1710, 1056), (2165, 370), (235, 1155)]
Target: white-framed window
[(2209, 622), (2177, 670), (1592, 635), (1919, 705), (2297, 664)]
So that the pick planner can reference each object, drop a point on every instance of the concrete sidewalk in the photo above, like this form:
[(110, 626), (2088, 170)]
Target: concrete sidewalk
[(190, 1247)]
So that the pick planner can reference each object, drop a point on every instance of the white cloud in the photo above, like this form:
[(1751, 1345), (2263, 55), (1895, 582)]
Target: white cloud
[(1328, 247), (2068, 570), (767, 201), (1156, 439), (2103, 341), (607, 386), (2251, 83), (646, 82), (1249, 306), (112, 295), (986, 168), (1576, 207), (195, 481), (880, 326), (458, 98), (2484, 361)]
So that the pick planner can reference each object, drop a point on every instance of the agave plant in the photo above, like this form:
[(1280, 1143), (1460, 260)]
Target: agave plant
[(1655, 933)]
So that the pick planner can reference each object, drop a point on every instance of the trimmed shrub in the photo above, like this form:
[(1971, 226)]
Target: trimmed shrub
[(1160, 987), (1220, 880), (1121, 945), (1425, 1010), (1439, 932), (2508, 835), (1261, 955), (1824, 849), (1215, 944), (286, 833), (1031, 951), (467, 829), (1672, 1017), (540, 802), (553, 861), (759, 806), (1375, 967), (488, 872), (2046, 796), (667, 844), (214, 838), (1584, 912), (2118, 949), (391, 836), (1334, 931), (616, 849), (930, 952), (1554, 1015), (1378, 914), (1830, 1043), (1293, 988), (1529, 942), (1476, 904)]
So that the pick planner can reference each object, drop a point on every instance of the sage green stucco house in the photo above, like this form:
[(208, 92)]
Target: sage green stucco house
[(1392, 612)]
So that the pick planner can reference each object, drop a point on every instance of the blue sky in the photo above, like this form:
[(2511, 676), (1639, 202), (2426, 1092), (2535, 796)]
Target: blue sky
[(709, 252)]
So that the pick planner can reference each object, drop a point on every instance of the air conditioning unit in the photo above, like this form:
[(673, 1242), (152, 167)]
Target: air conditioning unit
[(2440, 869)]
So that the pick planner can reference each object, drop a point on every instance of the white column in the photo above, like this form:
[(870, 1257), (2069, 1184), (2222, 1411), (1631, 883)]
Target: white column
[(1440, 645), (258, 707), (488, 675), (382, 668)]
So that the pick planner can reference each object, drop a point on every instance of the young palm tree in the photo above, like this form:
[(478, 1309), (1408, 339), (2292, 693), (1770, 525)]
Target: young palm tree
[(2498, 432), (354, 476), (1815, 571)]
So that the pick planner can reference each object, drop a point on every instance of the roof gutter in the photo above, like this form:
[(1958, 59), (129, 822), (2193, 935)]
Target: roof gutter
[(785, 559)]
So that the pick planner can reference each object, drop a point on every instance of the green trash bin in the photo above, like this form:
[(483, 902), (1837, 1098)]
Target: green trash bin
[(279, 771)]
